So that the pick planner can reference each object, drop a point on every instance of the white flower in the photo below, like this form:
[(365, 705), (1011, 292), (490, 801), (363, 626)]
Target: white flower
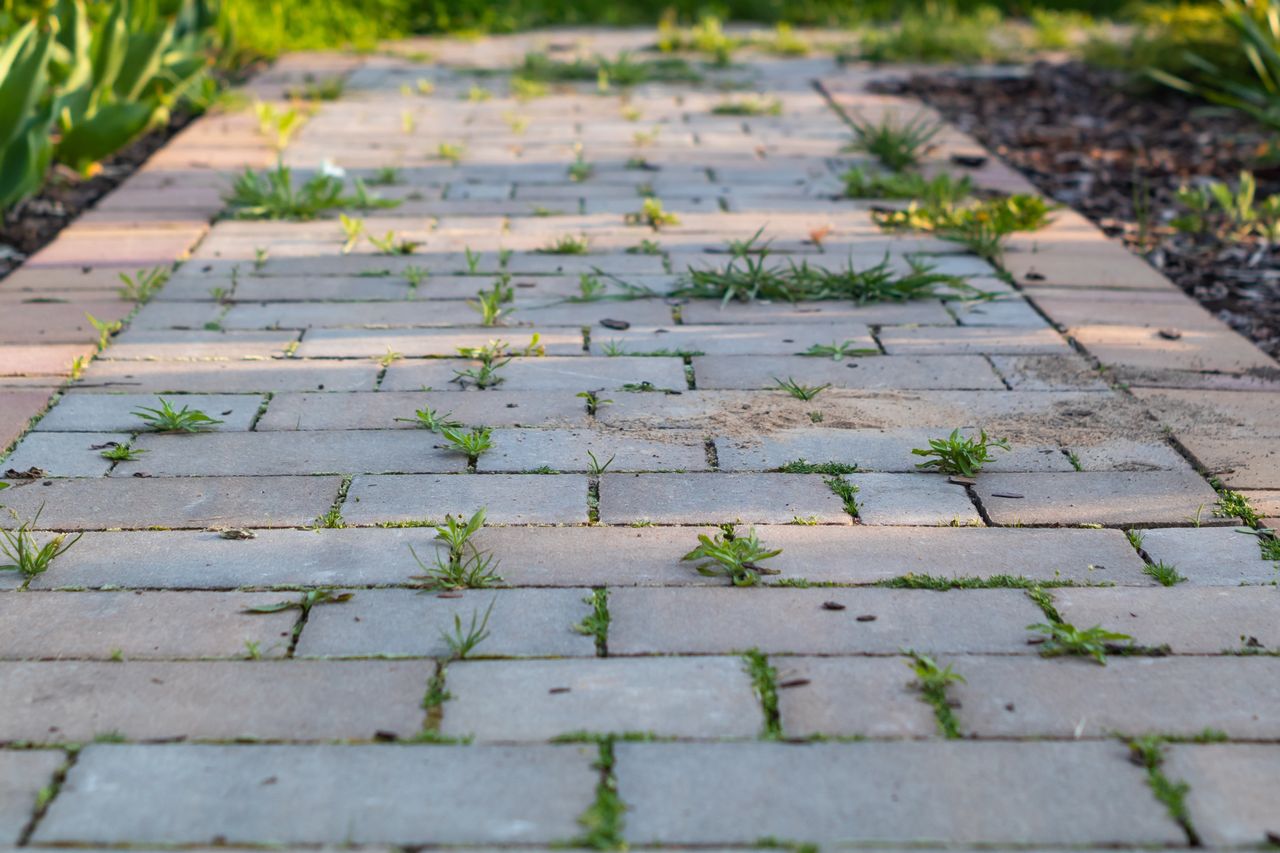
[(332, 170)]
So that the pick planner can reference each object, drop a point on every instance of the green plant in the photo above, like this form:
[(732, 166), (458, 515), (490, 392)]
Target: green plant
[(271, 195), (897, 145), (730, 555), (451, 152), (1062, 638), (1135, 538), (935, 32), (428, 418), (764, 678), (1232, 504), (390, 244), (957, 454), (846, 491), (566, 245), (1165, 575), (121, 453), (602, 821), (276, 123), (491, 304), (26, 148), (836, 351), (580, 169), (652, 214), (933, 682), (388, 358), (800, 466), (168, 419), (463, 642), (800, 392), (463, 566), (143, 285), (104, 328), (310, 598), (595, 467), (596, 623), (594, 402), (1148, 752), (472, 443), (26, 556), (942, 189), (981, 226), (1216, 209), (754, 105), (328, 89)]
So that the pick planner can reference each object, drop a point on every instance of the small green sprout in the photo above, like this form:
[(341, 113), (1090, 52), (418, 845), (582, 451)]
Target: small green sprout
[(652, 214), (1064, 639), (1164, 574), (735, 557), (352, 230), (800, 392), (309, 599), (428, 418), (957, 454), (472, 443), (168, 419), (566, 245), (897, 145), (462, 642), (595, 466), (26, 556), (837, 351), (464, 566), (144, 284), (121, 453)]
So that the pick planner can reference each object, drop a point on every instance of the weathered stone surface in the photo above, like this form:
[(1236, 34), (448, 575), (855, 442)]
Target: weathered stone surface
[(99, 625), (321, 794), (544, 374), (1189, 620), (907, 372), (1210, 556), (54, 701), (776, 620), (1240, 462), (507, 498), (527, 450), (1111, 498), (754, 339), (395, 410), (929, 340), (60, 454), (687, 697), (77, 412), (22, 775), (1075, 698), (718, 498), (397, 623), (229, 377), (178, 502), (921, 499), (1232, 796), (850, 697), (995, 793)]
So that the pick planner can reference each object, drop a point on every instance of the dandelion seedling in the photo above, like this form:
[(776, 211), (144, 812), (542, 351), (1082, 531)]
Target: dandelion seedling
[(352, 230), (166, 418), (1062, 638), (837, 351), (652, 214), (800, 392), (957, 454), (490, 304), (105, 329), (311, 598), (897, 145), (1164, 574), (429, 418), (730, 555), (143, 285), (472, 443), (566, 245), (462, 565), (26, 556), (121, 453), (933, 681), (464, 641)]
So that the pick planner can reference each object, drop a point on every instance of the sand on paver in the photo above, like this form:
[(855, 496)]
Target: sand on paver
[(247, 641)]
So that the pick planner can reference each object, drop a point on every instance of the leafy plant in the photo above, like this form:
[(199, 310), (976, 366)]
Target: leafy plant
[(271, 194), (981, 226), (1165, 575), (310, 598), (491, 304), (836, 351), (168, 419), (472, 443), (463, 566), (143, 285), (942, 189), (566, 245), (652, 214), (104, 328), (897, 145), (450, 151), (580, 169), (1216, 209), (390, 244), (463, 642), (276, 123), (428, 418), (26, 556), (26, 148), (800, 392), (958, 454), (595, 467), (1232, 504), (121, 453), (730, 555), (933, 682), (1065, 639), (754, 105)]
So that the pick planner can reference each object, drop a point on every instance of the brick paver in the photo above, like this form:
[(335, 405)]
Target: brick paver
[(639, 419)]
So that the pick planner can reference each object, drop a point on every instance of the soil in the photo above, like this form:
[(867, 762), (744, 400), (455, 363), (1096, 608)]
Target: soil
[(1118, 153)]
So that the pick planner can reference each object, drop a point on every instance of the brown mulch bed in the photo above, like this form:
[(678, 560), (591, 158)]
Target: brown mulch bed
[(1118, 154)]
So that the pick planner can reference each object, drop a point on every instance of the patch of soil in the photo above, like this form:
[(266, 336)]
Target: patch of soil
[(34, 223), (1085, 137)]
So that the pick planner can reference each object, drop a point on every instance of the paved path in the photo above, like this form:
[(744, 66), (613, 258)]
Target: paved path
[(620, 695)]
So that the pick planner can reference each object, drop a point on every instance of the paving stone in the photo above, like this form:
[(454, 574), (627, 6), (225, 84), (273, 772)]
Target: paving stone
[(1111, 498), (1001, 312), (1187, 619), (921, 499), (779, 620), (988, 793), (1213, 411), (930, 340), (1139, 346), (64, 454), (566, 450), (138, 625), (1122, 454), (184, 345), (22, 775), (374, 343), (869, 450), (390, 409), (1240, 462), (756, 339), (1076, 698), (924, 312), (533, 794), (851, 697), (313, 452), (545, 374), (102, 504), (76, 412), (897, 372), (230, 377), (1048, 373), (397, 623), (1210, 556), (327, 315), (688, 697), (56, 701), (717, 498), (41, 359), (507, 498), (17, 409), (1232, 796)]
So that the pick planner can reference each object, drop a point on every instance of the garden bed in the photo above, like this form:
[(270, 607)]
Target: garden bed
[(1118, 155)]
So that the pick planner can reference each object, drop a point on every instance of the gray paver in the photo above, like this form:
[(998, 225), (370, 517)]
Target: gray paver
[(1112, 498), (508, 498), (172, 502), (386, 409), (934, 340), (1189, 620), (230, 377), (977, 793), (523, 623), (22, 775), (689, 697), (57, 454), (549, 373), (276, 453), (717, 498), (1074, 697), (751, 339), (1232, 797), (527, 450), (77, 412), (776, 620), (904, 372), (849, 697), (185, 345), (98, 625), (219, 700), (322, 794), (925, 499), (1210, 556)]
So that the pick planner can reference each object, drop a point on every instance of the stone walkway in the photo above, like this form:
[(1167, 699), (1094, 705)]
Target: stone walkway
[(619, 695)]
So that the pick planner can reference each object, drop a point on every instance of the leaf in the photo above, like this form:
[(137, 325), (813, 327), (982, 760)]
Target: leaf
[(274, 608), (109, 129)]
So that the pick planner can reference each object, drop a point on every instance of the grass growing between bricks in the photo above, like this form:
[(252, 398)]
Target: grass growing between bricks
[(764, 678), (602, 822), (1148, 752), (596, 623), (933, 681)]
